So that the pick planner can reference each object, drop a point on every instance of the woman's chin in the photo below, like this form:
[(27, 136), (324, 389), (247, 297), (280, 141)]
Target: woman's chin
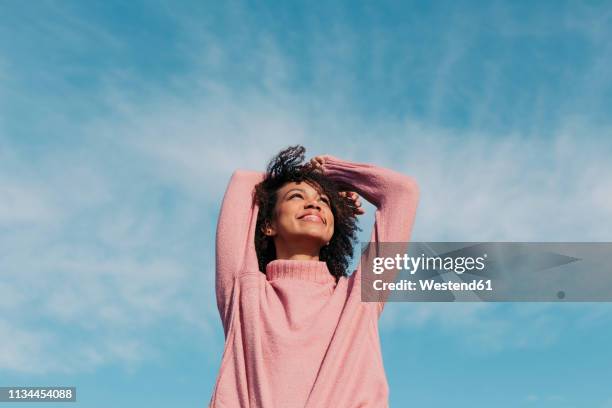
[(314, 236)]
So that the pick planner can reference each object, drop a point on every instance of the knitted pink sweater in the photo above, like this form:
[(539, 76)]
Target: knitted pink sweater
[(293, 337)]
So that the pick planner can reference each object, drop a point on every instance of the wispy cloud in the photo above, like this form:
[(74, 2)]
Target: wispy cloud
[(112, 229)]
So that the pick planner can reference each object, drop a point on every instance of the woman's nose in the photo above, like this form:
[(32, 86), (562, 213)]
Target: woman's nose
[(312, 203)]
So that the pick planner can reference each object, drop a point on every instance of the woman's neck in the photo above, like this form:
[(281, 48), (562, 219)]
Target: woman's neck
[(299, 257), (297, 252)]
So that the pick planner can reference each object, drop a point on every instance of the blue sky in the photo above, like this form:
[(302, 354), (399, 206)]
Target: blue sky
[(121, 122)]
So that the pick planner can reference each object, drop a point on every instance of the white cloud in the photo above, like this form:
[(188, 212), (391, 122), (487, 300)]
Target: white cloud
[(20, 203), (100, 255)]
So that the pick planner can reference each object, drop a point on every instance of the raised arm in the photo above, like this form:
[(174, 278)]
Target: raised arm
[(394, 195), (237, 215)]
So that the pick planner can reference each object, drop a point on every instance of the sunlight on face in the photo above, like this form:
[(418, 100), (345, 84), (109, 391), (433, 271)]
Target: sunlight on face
[(301, 213)]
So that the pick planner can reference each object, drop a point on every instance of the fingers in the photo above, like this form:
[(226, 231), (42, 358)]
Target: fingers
[(317, 163), (358, 210), (352, 195), (318, 160)]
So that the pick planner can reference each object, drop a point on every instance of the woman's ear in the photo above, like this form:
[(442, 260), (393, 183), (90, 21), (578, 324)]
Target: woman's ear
[(268, 229)]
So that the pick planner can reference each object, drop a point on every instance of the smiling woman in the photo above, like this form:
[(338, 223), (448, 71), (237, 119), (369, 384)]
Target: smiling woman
[(297, 333), (291, 191), (302, 223)]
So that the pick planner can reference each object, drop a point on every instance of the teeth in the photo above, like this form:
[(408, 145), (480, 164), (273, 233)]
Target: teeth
[(312, 218)]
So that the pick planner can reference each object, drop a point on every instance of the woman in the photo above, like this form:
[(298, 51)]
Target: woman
[(297, 333)]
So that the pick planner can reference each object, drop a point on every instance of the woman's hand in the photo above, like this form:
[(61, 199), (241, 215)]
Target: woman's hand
[(318, 163), (354, 197)]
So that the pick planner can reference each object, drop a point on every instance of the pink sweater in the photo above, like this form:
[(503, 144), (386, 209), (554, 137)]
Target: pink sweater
[(293, 337)]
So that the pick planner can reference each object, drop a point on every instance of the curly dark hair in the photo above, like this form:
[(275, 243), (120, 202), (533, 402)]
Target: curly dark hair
[(288, 166)]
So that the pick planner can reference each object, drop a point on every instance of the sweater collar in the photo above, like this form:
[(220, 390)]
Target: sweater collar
[(314, 271)]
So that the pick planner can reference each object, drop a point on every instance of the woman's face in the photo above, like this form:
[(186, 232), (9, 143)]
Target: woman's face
[(302, 215)]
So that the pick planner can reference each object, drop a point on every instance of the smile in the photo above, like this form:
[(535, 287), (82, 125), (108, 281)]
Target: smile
[(312, 218)]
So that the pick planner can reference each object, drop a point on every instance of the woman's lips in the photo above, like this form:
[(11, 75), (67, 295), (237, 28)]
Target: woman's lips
[(312, 218)]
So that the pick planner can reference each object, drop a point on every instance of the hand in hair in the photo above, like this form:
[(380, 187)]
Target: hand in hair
[(318, 163), (356, 202)]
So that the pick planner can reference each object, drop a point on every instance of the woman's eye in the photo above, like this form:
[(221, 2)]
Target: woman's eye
[(295, 195), (325, 200)]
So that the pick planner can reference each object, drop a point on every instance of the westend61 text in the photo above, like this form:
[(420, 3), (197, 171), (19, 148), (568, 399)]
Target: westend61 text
[(430, 284)]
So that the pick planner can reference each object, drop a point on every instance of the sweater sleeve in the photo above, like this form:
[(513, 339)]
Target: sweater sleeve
[(235, 251), (394, 195)]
